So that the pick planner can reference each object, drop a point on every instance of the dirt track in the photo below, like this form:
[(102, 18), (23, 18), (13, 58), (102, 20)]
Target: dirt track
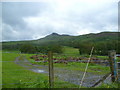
[(71, 76)]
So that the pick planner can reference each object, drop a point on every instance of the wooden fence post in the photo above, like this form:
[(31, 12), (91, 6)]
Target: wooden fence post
[(118, 68), (51, 71), (113, 67)]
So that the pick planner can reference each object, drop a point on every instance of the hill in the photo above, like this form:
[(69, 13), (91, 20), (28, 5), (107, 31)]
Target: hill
[(103, 40)]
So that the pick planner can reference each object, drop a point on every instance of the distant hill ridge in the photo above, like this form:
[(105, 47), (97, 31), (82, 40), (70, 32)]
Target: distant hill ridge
[(98, 34), (55, 36), (103, 42), (92, 37)]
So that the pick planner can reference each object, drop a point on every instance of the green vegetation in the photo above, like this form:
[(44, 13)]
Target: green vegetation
[(10, 51), (55, 48), (102, 57), (93, 68), (70, 51), (63, 47), (112, 85), (30, 48), (27, 48), (103, 42), (15, 76)]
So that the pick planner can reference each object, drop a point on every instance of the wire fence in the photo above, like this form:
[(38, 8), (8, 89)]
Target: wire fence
[(72, 71)]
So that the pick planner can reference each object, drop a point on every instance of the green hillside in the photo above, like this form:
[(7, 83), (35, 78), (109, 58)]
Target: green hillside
[(103, 41), (70, 50), (67, 40)]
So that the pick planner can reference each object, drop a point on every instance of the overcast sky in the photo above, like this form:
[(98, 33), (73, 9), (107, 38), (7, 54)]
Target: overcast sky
[(34, 20)]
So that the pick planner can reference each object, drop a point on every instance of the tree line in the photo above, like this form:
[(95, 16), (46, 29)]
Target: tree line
[(33, 48), (100, 48)]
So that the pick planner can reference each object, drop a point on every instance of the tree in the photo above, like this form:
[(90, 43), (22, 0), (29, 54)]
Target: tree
[(50, 47), (28, 48), (85, 47)]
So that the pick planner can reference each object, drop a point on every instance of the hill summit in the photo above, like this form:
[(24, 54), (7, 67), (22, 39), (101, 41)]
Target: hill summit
[(54, 34)]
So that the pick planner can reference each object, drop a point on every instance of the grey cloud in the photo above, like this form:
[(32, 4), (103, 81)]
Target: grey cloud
[(34, 20), (97, 19), (8, 32), (13, 12)]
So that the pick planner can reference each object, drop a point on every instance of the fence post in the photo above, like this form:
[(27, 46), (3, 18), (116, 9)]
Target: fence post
[(113, 67), (51, 71), (118, 69)]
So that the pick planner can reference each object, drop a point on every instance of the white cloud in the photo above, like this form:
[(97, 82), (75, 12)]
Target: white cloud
[(74, 17)]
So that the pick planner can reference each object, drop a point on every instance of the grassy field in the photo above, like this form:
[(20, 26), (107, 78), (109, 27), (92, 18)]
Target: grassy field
[(70, 51), (15, 76), (112, 85), (73, 52)]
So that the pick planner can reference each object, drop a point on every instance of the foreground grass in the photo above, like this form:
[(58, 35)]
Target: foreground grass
[(112, 85), (15, 76), (93, 68)]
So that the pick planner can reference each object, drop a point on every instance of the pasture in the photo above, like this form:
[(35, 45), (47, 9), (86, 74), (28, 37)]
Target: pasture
[(14, 75)]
